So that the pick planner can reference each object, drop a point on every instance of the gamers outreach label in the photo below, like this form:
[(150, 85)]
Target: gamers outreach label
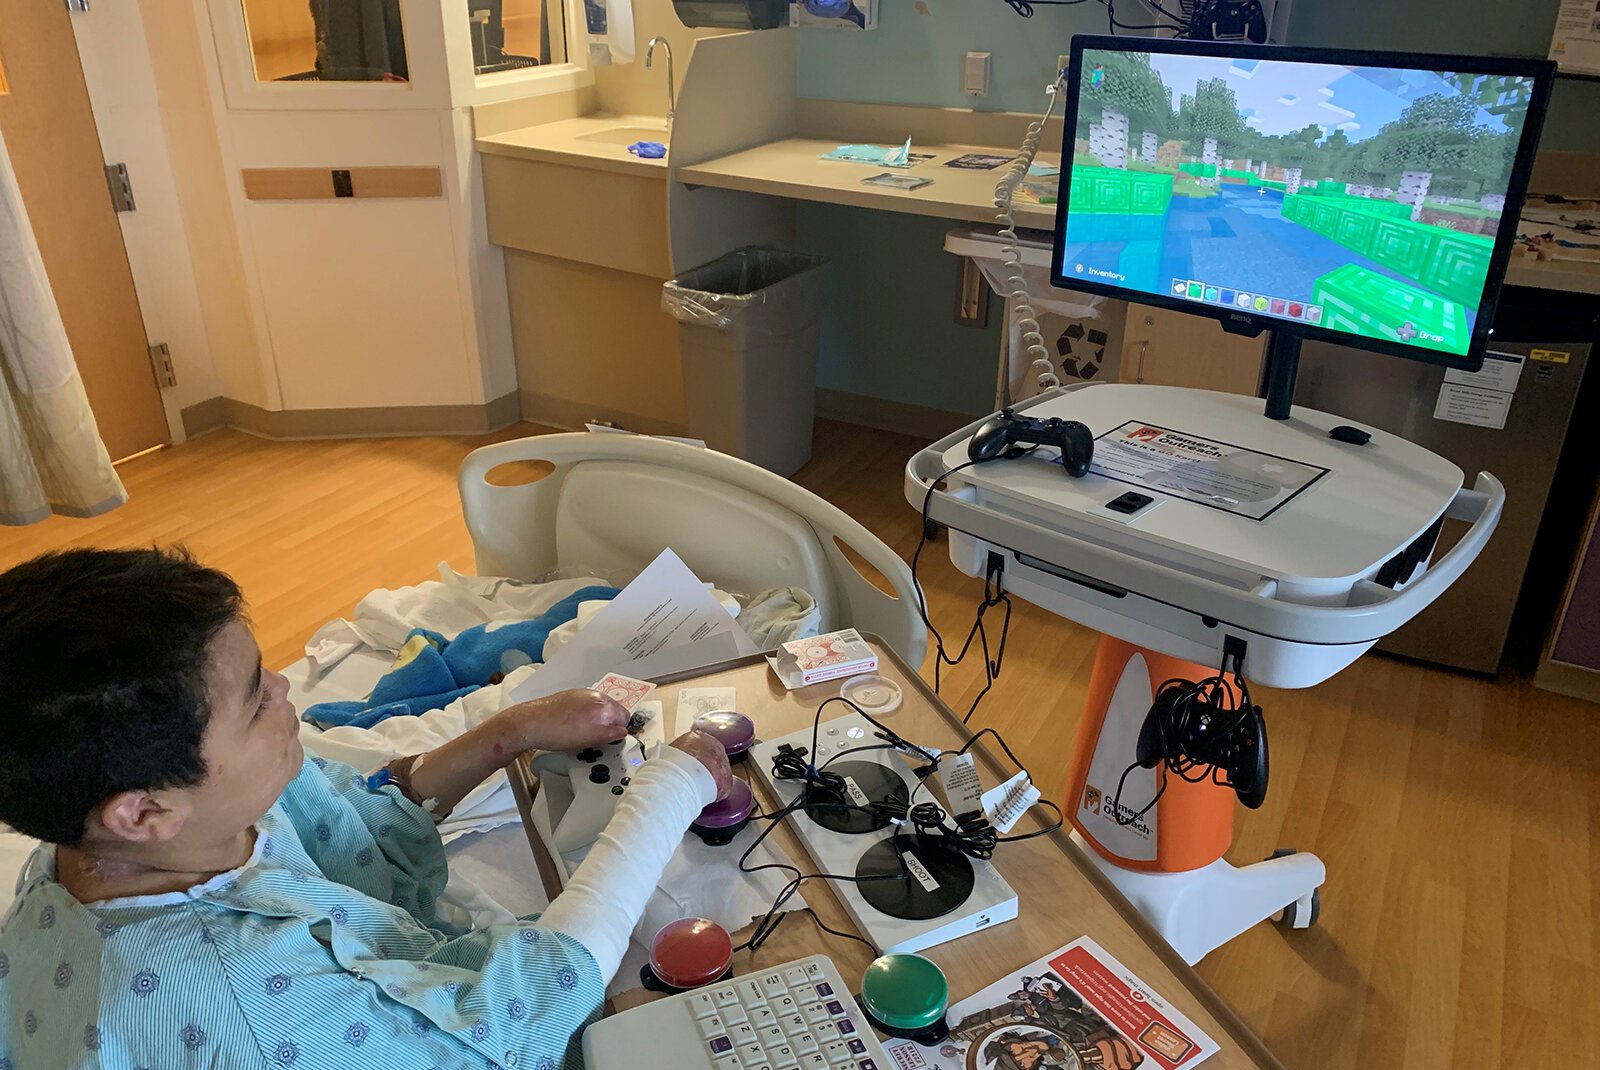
[(1237, 480)]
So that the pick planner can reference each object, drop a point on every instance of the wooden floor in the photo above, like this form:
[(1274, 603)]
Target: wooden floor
[(1457, 816)]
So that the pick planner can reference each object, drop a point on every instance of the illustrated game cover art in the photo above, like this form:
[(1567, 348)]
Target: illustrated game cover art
[(1074, 1009)]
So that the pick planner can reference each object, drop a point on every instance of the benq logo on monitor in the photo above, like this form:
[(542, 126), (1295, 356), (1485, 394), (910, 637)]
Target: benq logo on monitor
[(1238, 317)]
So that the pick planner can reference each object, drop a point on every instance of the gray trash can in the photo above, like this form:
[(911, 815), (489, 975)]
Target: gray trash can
[(749, 326)]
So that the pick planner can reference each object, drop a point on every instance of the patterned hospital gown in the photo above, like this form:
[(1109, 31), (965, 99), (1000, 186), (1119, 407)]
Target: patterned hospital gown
[(322, 951)]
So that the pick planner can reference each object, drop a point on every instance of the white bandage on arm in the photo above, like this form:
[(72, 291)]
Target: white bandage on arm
[(607, 894)]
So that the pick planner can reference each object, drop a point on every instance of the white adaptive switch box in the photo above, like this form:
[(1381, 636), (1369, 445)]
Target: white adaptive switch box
[(977, 74)]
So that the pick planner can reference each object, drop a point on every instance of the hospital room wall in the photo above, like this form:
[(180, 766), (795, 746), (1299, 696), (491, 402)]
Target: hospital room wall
[(891, 332)]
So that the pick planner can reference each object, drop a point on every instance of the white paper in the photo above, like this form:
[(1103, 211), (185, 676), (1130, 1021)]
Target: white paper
[(696, 701), (962, 788), (665, 621), (1481, 398), (1005, 805), (1575, 42), (1500, 371), (1469, 405)]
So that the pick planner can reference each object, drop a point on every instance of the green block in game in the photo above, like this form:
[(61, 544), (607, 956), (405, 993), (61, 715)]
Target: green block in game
[(1367, 303), (1459, 266), (1113, 190), (1403, 245)]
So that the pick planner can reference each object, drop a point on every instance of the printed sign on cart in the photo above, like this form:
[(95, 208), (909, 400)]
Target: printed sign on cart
[(1206, 471)]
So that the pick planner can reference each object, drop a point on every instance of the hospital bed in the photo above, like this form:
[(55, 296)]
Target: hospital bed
[(614, 502)]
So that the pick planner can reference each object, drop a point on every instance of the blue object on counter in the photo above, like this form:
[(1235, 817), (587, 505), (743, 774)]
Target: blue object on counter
[(649, 150), (878, 154)]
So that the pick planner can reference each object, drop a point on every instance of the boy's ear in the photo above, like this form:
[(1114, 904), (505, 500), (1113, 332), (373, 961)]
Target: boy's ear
[(141, 816)]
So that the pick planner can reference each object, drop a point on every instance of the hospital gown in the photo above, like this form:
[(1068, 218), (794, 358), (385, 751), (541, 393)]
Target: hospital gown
[(324, 950)]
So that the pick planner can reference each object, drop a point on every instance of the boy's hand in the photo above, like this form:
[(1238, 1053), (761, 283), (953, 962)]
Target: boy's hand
[(569, 721), (711, 754)]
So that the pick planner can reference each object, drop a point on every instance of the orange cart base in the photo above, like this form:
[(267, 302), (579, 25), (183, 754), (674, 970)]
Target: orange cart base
[(1168, 860), (1190, 825)]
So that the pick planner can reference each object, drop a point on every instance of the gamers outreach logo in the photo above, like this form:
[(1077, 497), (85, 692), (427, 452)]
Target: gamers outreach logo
[(1095, 802)]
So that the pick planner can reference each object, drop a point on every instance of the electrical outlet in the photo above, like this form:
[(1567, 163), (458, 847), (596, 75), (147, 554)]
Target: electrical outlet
[(1063, 61), (975, 73)]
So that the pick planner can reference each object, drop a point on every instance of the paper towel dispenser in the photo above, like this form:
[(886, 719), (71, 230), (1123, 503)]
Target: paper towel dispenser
[(733, 14)]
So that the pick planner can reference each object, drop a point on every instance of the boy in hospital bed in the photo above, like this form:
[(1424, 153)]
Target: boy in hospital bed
[(208, 896)]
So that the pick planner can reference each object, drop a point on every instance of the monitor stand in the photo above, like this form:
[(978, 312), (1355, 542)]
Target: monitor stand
[(1282, 364)]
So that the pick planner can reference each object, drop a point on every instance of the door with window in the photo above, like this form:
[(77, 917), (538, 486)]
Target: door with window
[(50, 133)]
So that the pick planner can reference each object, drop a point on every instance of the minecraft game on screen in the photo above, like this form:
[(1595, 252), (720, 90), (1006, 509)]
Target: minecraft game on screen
[(1360, 199)]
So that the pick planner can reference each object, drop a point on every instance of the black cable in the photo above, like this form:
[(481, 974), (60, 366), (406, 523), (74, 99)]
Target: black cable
[(971, 834), (1198, 722), (791, 765), (993, 594), (752, 945), (1025, 8)]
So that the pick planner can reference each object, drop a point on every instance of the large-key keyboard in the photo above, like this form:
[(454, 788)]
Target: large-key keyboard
[(798, 1016)]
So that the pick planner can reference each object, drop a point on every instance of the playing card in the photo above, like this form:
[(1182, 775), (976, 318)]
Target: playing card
[(625, 691), (694, 701)]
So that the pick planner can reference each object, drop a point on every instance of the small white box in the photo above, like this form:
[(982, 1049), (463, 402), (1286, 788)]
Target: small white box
[(822, 657)]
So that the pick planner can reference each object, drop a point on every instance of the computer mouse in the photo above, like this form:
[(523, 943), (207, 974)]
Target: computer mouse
[(1353, 435)]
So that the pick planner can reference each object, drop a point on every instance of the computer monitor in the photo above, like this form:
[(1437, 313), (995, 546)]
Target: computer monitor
[(1364, 198)]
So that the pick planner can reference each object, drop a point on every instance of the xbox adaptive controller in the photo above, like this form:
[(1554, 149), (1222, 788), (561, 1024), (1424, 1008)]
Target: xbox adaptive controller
[(1001, 435)]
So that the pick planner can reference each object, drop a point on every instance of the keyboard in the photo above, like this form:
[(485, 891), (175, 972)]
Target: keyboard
[(798, 1016)]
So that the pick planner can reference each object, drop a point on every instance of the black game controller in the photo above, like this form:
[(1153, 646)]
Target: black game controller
[(1231, 20), (1000, 434), (1241, 752)]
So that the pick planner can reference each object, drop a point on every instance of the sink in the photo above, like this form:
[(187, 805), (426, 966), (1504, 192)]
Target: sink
[(627, 135)]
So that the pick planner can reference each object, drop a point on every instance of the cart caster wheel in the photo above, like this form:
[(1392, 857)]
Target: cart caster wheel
[(1302, 913), (931, 530)]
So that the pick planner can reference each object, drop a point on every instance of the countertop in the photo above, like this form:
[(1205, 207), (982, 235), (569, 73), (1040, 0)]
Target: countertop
[(792, 168), (1574, 276), (564, 142)]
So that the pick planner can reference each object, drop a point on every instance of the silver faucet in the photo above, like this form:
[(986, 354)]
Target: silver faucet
[(649, 57)]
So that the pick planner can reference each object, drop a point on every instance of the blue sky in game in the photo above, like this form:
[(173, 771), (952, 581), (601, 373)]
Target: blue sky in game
[(1277, 97)]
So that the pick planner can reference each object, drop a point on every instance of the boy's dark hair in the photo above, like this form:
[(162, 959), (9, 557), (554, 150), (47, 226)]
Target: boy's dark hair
[(102, 680)]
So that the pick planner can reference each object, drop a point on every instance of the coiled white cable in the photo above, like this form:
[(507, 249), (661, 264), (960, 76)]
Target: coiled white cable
[(1011, 253)]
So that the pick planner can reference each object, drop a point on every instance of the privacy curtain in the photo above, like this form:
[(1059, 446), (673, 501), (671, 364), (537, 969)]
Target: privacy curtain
[(51, 457)]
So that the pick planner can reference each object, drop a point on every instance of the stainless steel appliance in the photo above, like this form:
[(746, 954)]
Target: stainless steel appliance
[(1468, 626)]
